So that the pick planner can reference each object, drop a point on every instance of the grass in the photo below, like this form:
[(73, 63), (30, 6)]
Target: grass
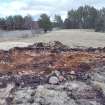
[(72, 38)]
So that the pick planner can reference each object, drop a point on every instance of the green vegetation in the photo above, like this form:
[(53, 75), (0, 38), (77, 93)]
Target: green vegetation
[(45, 23), (85, 17), (58, 22), (16, 22)]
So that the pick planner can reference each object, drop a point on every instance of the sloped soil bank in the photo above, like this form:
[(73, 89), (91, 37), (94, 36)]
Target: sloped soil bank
[(52, 74)]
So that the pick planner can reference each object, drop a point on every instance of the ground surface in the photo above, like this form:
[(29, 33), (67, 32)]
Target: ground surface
[(52, 73), (72, 38)]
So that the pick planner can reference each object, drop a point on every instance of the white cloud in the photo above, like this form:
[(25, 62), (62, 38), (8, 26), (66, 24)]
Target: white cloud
[(37, 7)]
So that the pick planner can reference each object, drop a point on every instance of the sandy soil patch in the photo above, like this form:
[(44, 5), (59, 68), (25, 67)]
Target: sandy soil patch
[(72, 38)]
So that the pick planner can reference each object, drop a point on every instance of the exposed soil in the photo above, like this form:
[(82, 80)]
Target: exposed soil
[(43, 58), (52, 74)]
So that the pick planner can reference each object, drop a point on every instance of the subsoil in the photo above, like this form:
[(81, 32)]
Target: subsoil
[(25, 73), (45, 57)]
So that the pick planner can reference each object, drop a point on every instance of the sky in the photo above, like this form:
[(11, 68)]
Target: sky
[(50, 7)]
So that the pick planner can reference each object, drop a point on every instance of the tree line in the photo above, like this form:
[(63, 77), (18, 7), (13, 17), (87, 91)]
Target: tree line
[(85, 17), (16, 22)]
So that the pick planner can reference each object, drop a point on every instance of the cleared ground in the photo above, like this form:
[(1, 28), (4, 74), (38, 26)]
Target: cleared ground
[(72, 38)]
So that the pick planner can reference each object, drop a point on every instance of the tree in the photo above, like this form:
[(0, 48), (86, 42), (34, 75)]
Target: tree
[(3, 24), (10, 23), (83, 17), (73, 18), (27, 22), (67, 24), (89, 17), (100, 25), (100, 22), (58, 21), (18, 22), (45, 23)]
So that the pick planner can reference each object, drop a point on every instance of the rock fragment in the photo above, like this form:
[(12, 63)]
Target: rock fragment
[(53, 80)]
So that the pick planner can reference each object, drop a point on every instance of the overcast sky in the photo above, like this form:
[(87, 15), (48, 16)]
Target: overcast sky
[(37, 7)]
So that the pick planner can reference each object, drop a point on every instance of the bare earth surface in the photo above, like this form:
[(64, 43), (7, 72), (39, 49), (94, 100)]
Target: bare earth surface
[(53, 73), (72, 38)]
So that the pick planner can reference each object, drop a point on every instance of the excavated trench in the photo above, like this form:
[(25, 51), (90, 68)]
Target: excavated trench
[(45, 57), (41, 59), (78, 75)]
